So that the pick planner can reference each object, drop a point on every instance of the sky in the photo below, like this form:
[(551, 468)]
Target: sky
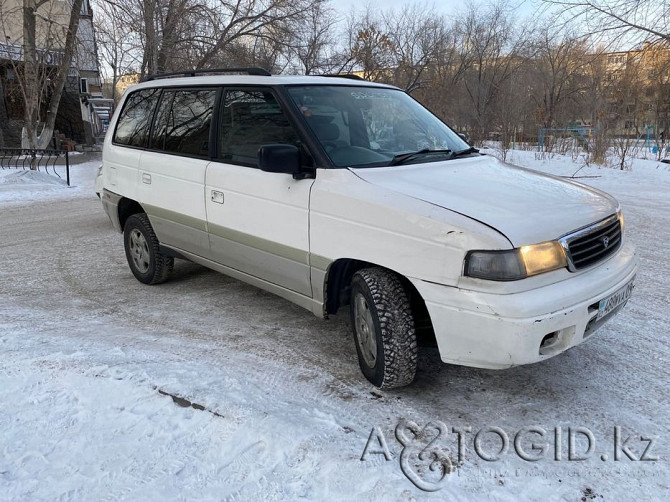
[(345, 5), (526, 7)]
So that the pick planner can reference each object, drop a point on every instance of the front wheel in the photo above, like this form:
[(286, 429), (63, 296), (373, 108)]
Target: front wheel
[(383, 327), (141, 244)]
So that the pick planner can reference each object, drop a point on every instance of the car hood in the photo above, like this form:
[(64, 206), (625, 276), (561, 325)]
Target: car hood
[(524, 205)]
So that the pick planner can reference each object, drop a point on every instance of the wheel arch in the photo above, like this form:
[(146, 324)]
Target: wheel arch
[(128, 207), (337, 293)]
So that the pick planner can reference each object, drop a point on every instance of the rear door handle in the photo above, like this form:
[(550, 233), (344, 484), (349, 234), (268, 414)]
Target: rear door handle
[(217, 196)]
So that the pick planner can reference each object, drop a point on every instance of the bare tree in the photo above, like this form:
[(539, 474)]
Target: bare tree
[(309, 40), (371, 47), (514, 109), (171, 32), (243, 20), (195, 34), (623, 151), (626, 113), (560, 61), (417, 36), (445, 76), (117, 44), (49, 30), (645, 18), (397, 46), (596, 103), (495, 45)]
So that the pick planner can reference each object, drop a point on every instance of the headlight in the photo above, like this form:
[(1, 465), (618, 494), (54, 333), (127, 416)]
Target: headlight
[(515, 264)]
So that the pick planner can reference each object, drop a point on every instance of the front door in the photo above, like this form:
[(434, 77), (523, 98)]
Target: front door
[(258, 222)]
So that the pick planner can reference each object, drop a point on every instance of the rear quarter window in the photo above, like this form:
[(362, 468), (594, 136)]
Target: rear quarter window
[(132, 128)]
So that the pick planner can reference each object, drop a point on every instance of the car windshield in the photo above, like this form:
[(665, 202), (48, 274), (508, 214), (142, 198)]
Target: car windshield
[(374, 126)]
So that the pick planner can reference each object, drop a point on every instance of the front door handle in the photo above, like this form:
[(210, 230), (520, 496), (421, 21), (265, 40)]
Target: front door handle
[(146, 178), (217, 196)]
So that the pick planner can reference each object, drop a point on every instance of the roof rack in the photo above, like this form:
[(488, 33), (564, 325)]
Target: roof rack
[(351, 76), (262, 72)]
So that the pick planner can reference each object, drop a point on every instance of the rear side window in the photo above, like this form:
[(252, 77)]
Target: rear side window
[(132, 128), (249, 120), (183, 121)]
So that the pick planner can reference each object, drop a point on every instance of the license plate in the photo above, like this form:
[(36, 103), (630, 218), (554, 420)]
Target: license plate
[(608, 304)]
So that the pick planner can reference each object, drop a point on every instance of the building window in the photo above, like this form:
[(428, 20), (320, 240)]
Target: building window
[(628, 124), (83, 85)]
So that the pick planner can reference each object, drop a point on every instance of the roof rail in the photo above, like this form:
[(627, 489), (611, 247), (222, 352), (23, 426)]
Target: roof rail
[(192, 73), (351, 76)]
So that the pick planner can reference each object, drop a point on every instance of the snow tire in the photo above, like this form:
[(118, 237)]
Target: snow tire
[(383, 328), (147, 264)]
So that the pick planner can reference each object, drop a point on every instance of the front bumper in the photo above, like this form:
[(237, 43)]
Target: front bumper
[(498, 331)]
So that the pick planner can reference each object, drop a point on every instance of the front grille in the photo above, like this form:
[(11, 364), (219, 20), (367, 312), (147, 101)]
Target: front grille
[(592, 244)]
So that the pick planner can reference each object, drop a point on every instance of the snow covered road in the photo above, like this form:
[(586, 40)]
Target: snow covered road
[(207, 387)]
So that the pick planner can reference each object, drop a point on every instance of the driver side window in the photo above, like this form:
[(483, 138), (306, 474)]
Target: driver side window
[(249, 120)]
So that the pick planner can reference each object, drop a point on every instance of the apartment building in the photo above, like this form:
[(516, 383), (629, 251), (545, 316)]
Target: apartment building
[(83, 114), (638, 87)]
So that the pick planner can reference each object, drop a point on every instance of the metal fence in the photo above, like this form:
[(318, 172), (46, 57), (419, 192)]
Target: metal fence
[(48, 161)]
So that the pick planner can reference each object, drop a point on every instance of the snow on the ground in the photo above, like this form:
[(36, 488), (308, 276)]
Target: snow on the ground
[(644, 177), (12, 179), (21, 186), (208, 388)]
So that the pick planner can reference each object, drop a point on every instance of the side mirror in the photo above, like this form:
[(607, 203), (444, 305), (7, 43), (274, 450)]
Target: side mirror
[(279, 159)]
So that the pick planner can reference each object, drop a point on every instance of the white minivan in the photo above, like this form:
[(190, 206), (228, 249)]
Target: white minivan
[(336, 191)]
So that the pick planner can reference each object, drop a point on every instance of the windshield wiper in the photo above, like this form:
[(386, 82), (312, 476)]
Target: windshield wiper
[(467, 151), (404, 157)]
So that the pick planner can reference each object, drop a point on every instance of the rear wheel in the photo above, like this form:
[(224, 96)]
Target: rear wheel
[(383, 328), (147, 264)]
